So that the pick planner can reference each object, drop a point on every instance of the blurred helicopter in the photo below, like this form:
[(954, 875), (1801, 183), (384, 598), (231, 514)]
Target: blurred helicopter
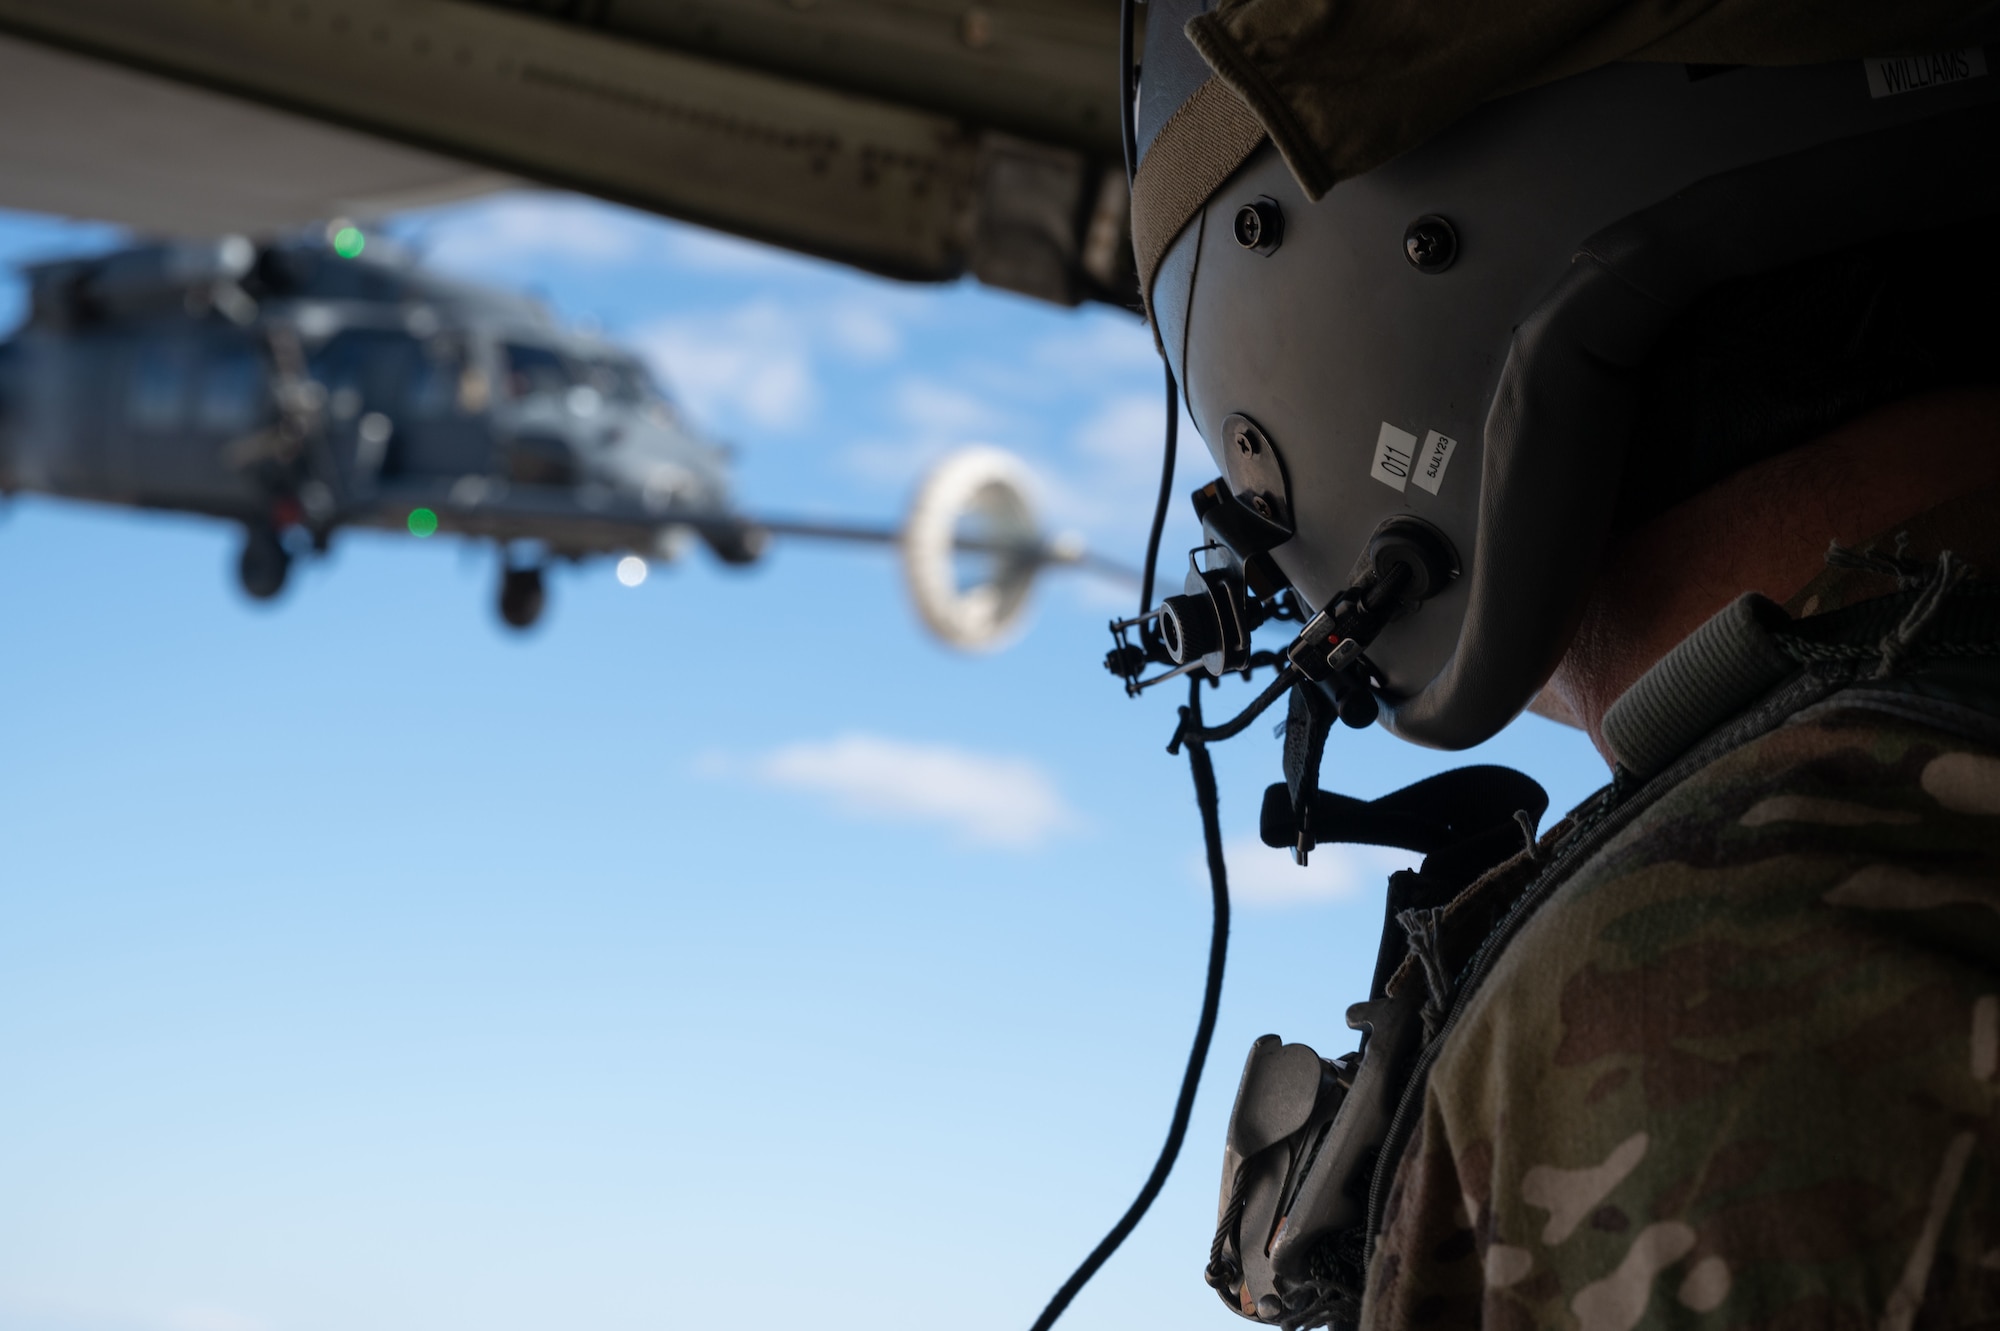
[(301, 386)]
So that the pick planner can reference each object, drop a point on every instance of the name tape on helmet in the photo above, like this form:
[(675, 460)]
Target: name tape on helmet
[(1892, 76), (1399, 460)]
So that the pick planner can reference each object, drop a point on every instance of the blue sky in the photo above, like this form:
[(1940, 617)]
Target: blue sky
[(725, 950)]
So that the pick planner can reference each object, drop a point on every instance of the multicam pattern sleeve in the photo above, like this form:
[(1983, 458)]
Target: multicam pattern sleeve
[(1741, 1070)]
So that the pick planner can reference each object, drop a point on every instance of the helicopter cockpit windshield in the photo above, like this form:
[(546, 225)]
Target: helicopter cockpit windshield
[(535, 372), (395, 402), (584, 384)]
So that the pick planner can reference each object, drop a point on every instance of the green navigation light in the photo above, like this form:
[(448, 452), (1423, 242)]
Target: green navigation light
[(348, 242), (423, 522)]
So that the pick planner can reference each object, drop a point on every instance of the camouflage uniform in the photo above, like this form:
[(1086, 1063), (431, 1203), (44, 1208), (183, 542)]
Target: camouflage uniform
[(1737, 1062)]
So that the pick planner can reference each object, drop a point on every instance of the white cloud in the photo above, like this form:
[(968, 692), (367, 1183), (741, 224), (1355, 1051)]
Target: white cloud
[(718, 252), (934, 409), (1261, 876), (540, 224), (1102, 597), (863, 332), (753, 363), (984, 798), (1109, 480), (213, 1319), (938, 418), (898, 463), (513, 226), (1125, 433), (758, 362), (1107, 345)]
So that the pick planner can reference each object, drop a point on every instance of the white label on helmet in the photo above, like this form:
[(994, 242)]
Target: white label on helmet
[(1894, 75), (1433, 460), (1395, 454)]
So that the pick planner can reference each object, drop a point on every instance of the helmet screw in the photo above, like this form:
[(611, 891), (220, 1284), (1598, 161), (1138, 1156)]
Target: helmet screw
[(1249, 440), (1260, 506), (1430, 244), (1259, 226)]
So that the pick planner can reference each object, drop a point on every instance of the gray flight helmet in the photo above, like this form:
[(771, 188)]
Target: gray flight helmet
[(1455, 335)]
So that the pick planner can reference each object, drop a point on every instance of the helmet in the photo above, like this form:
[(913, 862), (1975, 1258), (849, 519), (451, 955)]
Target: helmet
[(1447, 345)]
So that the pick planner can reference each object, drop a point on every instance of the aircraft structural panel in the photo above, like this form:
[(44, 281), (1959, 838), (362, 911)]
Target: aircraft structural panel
[(916, 139)]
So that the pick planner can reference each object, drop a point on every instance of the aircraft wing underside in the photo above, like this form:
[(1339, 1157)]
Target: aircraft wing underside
[(923, 139)]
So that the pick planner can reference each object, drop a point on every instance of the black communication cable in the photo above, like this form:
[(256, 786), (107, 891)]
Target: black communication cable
[(1128, 132), (1191, 733), (1211, 1002), (1288, 675), (1146, 629)]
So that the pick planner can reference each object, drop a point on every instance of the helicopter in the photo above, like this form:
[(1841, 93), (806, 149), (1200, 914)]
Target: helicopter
[(304, 385)]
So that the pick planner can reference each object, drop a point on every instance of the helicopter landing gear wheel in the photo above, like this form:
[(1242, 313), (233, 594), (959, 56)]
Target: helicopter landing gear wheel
[(262, 566), (522, 597)]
